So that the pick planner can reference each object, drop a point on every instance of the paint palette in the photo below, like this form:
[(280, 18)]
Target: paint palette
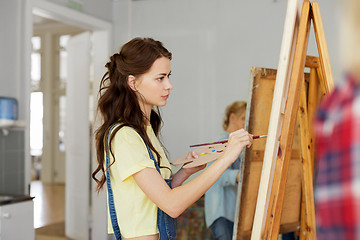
[(206, 154), (182, 160)]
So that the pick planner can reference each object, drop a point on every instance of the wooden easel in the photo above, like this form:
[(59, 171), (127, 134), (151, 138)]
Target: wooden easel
[(291, 96)]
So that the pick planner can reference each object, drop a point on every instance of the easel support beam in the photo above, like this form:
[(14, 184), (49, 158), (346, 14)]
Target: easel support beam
[(272, 224)]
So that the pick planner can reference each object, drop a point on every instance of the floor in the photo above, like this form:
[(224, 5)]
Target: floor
[(49, 210), (191, 223)]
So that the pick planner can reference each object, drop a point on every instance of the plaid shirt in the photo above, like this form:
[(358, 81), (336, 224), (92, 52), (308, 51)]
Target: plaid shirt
[(337, 190)]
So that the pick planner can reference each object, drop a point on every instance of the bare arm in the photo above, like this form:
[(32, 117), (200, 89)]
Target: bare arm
[(184, 173), (175, 201)]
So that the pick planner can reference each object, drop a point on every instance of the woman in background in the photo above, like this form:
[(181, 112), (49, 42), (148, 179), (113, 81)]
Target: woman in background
[(220, 199)]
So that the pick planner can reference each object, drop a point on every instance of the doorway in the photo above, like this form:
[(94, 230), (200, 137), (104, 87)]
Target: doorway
[(48, 119), (48, 98), (78, 199)]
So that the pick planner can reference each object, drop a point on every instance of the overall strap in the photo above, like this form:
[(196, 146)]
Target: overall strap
[(152, 157), (110, 193)]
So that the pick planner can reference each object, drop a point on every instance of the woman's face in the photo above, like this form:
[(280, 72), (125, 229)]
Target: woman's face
[(239, 121), (153, 87)]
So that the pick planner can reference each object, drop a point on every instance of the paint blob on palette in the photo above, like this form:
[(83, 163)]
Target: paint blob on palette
[(207, 154)]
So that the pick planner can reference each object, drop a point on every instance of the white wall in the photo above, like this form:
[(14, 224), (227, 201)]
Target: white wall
[(214, 44), (11, 50)]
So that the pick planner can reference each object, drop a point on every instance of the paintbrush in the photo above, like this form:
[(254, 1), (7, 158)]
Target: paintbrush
[(223, 141)]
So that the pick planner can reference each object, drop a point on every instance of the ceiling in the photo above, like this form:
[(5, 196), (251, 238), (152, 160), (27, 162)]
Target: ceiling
[(37, 20), (46, 24)]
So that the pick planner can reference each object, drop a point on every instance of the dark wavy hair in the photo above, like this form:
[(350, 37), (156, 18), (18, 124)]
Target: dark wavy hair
[(119, 104)]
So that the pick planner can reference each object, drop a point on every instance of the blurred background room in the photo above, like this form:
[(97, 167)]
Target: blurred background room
[(52, 57)]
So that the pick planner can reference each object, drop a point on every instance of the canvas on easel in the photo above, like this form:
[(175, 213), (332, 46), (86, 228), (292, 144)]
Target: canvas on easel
[(290, 92), (261, 90), (262, 83)]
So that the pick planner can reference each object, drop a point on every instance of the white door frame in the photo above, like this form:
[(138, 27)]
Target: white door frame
[(102, 36)]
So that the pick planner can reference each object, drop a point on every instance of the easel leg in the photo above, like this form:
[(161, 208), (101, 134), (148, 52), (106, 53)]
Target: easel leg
[(308, 225), (271, 230), (312, 103), (322, 48)]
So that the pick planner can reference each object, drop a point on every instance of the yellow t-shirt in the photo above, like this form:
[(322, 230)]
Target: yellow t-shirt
[(136, 213)]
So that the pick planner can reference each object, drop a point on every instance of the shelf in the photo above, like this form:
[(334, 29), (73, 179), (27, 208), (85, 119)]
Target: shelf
[(6, 124)]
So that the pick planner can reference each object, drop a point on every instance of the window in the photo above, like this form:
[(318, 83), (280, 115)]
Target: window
[(36, 100), (36, 63)]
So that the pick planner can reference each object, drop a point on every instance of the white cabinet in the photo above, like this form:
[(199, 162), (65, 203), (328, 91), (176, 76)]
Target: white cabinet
[(17, 221)]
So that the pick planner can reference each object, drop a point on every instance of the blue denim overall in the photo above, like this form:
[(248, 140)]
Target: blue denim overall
[(166, 225)]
